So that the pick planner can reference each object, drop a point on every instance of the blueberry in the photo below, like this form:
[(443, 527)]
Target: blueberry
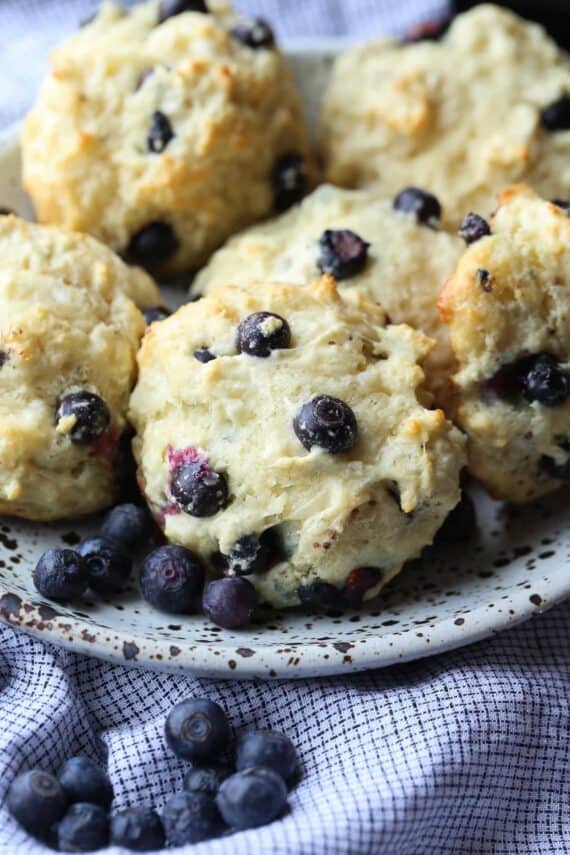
[(563, 204), (425, 206), (320, 595), (203, 355), (358, 582), (326, 422), (154, 313), (84, 828), (190, 818), (170, 8), (36, 800), (289, 179), (545, 382), (254, 33), (171, 577), (252, 798), (207, 779), (154, 244), (473, 228), (198, 490), (83, 780), (460, 523), (61, 574), (197, 729), (138, 829), (229, 603), (160, 133), (556, 116), (262, 332), (128, 525), (343, 253), (269, 749), (88, 413), (108, 564), (250, 554)]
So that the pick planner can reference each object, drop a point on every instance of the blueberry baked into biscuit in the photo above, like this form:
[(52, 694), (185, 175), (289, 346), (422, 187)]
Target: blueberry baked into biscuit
[(280, 435), (163, 129), (507, 310)]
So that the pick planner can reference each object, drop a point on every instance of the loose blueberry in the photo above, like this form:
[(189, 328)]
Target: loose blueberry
[(252, 798), (326, 422), (37, 801), (556, 116), (84, 828), (171, 578), (129, 525), (460, 524), (155, 313), (358, 582), (254, 33), (343, 253), (83, 780), (190, 818), (473, 228), (260, 333), (425, 206), (563, 204), (289, 181), (61, 574), (251, 554), (170, 8), (203, 355), (88, 413), (229, 603), (154, 244), (545, 382), (198, 490), (269, 749), (320, 595), (197, 729), (160, 133), (108, 564), (138, 829), (206, 779)]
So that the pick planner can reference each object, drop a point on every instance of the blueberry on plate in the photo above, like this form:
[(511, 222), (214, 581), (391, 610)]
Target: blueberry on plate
[(152, 245), (269, 749), (289, 181), (261, 333), (138, 829), (88, 415), (473, 228), (252, 798), (190, 818), (254, 33), (343, 253), (171, 578), (230, 602), (108, 564), (155, 313), (460, 524), (207, 779), (424, 205), (83, 780), (36, 800), (61, 574), (170, 8), (197, 729), (327, 423), (129, 525), (84, 828), (198, 490)]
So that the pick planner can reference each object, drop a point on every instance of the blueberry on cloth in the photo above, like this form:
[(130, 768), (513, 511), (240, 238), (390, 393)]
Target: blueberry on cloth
[(260, 333), (152, 245), (84, 828), (88, 413), (266, 748), (473, 228), (252, 798), (343, 253), (326, 422), (83, 780), (198, 490), (190, 818), (556, 116), (160, 133), (61, 574), (207, 779), (424, 205), (108, 564), (128, 525), (154, 313), (138, 829), (230, 602), (36, 800), (460, 523), (169, 8), (171, 577), (197, 729), (254, 33), (289, 180)]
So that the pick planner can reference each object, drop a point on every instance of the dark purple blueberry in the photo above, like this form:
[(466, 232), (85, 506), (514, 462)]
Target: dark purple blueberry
[(138, 829), (90, 415), (84, 828), (154, 244), (108, 564), (197, 729), (289, 180), (326, 422), (262, 332), (198, 490), (204, 355), (61, 574), (83, 780), (171, 578), (129, 525), (170, 8), (545, 382), (358, 582), (207, 779), (251, 554), (343, 253), (460, 524), (254, 33), (550, 467), (160, 133), (229, 603), (424, 206), (269, 749), (321, 595), (556, 116), (563, 204), (37, 801), (252, 798), (473, 228), (190, 818), (155, 313)]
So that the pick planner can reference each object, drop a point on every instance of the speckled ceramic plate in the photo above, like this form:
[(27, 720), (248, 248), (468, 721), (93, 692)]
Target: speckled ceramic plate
[(518, 564)]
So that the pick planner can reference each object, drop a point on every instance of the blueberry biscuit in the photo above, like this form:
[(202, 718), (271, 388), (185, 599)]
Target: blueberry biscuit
[(161, 131), (388, 251), (487, 106), (68, 342), (280, 435), (507, 306)]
